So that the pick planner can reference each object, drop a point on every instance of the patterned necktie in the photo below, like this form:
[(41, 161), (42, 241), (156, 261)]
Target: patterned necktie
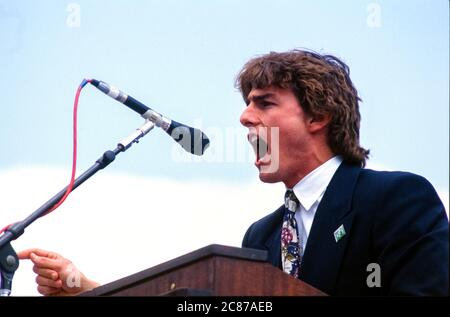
[(290, 243)]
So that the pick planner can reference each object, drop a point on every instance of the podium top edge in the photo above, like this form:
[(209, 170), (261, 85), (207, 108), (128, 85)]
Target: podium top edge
[(232, 252), (202, 253)]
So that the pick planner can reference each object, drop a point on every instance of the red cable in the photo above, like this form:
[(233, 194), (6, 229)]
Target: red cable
[(4, 229), (74, 156)]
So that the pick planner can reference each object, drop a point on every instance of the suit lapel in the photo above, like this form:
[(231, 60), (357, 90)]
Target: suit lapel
[(327, 240), (273, 243)]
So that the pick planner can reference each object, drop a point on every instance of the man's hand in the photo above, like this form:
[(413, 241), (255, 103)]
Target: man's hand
[(56, 275)]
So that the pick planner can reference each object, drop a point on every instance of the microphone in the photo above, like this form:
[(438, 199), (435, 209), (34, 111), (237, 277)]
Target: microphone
[(191, 139)]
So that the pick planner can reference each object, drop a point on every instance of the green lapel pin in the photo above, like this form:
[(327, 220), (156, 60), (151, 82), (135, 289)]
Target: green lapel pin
[(339, 233)]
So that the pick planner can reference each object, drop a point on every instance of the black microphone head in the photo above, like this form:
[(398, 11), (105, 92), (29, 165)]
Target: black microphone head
[(191, 139)]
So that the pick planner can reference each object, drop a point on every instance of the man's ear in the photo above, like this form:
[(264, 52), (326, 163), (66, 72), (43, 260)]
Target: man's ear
[(318, 122)]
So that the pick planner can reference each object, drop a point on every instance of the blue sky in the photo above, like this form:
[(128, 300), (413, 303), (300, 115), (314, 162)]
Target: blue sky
[(181, 58)]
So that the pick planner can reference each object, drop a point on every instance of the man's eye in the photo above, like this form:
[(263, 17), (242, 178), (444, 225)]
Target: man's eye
[(266, 104)]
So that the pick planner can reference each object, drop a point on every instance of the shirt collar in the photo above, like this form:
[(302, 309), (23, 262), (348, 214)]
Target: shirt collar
[(311, 187)]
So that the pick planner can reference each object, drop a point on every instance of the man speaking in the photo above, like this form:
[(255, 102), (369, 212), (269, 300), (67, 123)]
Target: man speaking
[(339, 220)]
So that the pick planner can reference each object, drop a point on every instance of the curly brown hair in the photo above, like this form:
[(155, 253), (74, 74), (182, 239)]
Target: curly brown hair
[(321, 84)]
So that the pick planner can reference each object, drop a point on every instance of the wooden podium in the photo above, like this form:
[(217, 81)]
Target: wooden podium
[(214, 270)]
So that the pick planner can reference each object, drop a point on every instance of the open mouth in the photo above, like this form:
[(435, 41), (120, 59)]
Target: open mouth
[(261, 148)]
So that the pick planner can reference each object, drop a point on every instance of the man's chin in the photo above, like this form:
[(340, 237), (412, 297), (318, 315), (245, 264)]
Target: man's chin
[(269, 177)]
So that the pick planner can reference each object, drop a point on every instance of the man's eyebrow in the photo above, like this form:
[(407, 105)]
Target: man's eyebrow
[(260, 97)]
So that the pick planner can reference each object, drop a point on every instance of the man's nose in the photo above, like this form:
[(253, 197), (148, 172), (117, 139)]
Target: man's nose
[(249, 117)]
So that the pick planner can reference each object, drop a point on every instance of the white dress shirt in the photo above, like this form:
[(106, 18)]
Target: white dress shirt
[(309, 192)]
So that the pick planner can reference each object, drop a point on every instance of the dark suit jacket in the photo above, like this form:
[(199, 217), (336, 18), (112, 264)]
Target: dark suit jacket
[(394, 219)]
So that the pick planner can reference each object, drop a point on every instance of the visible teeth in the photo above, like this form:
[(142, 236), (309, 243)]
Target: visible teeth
[(252, 139)]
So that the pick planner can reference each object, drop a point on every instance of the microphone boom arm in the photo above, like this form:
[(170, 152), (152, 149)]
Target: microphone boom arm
[(9, 262)]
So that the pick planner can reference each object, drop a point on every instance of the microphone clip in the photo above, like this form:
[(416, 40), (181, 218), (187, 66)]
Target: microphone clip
[(136, 135)]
